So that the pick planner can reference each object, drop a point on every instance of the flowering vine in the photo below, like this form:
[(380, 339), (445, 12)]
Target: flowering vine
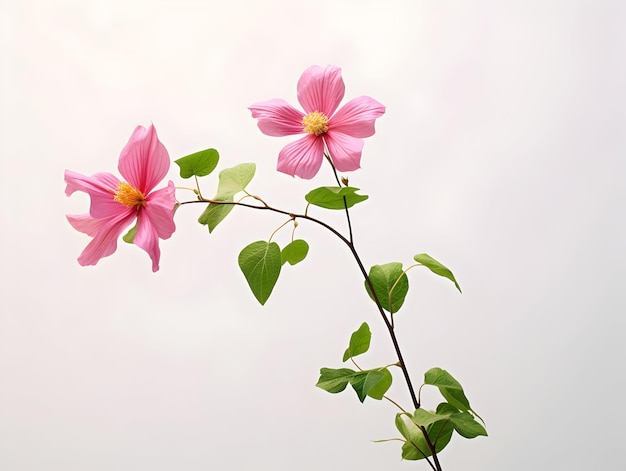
[(331, 135)]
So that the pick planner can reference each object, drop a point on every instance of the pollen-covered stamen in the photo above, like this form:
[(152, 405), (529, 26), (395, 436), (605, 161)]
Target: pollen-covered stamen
[(129, 196), (315, 123)]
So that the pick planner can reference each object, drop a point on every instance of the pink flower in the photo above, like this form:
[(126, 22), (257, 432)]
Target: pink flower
[(115, 204), (320, 90)]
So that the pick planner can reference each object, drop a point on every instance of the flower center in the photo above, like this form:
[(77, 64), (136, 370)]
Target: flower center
[(129, 196), (315, 123)]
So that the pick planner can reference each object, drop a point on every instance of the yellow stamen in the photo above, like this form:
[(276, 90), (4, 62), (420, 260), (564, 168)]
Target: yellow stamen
[(129, 196), (315, 123)]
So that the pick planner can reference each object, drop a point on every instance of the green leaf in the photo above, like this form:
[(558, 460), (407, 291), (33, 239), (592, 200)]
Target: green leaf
[(359, 342), (449, 388), (260, 264), (199, 164), (363, 381), (415, 448), (233, 180), (373, 383), (332, 197), (407, 429), (390, 285), (378, 390), (334, 381), (425, 417), (215, 213), (436, 267), (295, 252), (129, 237), (439, 430), (446, 409), (466, 425), (440, 433)]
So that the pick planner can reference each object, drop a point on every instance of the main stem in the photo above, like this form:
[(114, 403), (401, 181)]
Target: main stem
[(357, 258), (388, 321)]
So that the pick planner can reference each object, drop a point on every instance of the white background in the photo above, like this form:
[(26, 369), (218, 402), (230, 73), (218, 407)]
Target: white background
[(501, 154)]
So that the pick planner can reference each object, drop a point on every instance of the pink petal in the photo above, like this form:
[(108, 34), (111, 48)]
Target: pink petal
[(100, 183), (156, 220), (344, 150), (101, 188), (356, 118), (302, 158), (144, 161), (321, 89), (105, 232), (160, 207), (148, 239), (85, 223), (277, 118)]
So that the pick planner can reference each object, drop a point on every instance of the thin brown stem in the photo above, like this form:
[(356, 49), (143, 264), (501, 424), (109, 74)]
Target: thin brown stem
[(395, 404), (345, 202)]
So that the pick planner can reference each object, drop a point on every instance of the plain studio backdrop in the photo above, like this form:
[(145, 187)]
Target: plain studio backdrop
[(501, 154)]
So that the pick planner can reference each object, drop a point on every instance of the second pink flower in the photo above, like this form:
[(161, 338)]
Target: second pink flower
[(320, 91)]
